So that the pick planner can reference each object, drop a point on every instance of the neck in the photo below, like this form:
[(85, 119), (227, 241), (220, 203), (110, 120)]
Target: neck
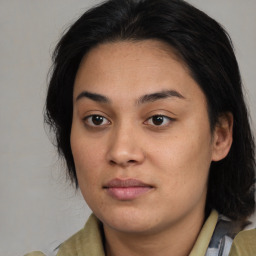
[(175, 240)]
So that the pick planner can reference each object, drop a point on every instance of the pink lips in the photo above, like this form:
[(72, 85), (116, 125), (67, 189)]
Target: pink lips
[(126, 189)]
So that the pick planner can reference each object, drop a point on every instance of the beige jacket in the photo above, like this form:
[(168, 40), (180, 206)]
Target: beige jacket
[(88, 241)]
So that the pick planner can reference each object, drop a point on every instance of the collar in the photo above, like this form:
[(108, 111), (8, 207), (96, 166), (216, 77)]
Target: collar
[(89, 240)]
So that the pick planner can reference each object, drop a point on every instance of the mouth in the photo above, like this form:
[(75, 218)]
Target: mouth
[(127, 189)]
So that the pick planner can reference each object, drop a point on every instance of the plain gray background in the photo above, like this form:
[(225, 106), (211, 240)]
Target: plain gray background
[(38, 207)]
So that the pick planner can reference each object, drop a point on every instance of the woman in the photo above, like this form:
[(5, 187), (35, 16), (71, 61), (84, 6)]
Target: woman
[(146, 103)]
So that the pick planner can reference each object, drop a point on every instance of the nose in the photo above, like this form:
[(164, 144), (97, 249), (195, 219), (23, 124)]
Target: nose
[(125, 148)]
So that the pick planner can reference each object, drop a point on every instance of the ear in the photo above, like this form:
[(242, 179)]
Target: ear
[(223, 136)]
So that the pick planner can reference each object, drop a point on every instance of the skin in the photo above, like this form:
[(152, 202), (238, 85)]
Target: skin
[(173, 157)]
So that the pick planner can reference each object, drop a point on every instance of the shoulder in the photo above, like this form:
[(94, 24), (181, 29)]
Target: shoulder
[(70, 247), (233, 238), (35, 254), (244, 244), (88, 241), (73, 244)]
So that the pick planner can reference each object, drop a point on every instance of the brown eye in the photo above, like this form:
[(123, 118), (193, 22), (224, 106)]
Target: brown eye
[(159, 120), (96, 120)]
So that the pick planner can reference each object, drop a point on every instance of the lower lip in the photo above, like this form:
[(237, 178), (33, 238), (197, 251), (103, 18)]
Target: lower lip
[(127, 193)]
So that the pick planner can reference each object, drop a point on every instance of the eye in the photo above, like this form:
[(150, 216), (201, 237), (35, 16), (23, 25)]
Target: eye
[(96, 120), (159, 120)]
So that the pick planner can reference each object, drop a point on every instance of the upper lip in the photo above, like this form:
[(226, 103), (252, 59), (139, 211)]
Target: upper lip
[(125, 183)]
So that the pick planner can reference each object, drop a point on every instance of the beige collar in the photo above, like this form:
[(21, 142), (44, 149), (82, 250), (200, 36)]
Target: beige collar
[(89, 240)]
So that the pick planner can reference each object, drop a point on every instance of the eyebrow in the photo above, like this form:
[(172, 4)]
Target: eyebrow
[(142, 100), (159, 95), (93, 96)]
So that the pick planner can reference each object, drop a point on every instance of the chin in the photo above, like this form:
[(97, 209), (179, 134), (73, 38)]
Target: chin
[(129, 220)]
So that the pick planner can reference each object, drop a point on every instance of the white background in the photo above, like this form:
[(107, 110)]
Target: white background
[(38, 208)]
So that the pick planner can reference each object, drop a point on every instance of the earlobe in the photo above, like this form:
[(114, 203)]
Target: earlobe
[(223, 136)]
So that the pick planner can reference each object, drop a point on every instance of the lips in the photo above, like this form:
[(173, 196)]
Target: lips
[(127, 189)]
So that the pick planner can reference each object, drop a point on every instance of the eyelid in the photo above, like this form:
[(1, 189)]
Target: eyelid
[(86, 118), (169, 120)]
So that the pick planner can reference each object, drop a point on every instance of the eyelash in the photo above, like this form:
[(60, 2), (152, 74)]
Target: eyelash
[(88, 120), (166, 120)]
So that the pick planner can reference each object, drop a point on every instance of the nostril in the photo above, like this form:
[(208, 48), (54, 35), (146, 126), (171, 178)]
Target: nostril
[(131, 161), (112, 162)]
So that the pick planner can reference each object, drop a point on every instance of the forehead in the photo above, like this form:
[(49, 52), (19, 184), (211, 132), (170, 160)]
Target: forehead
[(134, 69), (126, 48), (148, 54)]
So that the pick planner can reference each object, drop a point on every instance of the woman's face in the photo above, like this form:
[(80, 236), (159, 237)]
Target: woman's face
[(140, 137)]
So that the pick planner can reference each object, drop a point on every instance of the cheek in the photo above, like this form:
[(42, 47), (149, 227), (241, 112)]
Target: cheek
[(183, 174), (88, 165), (184, 159), (87, 155), (183, 153)]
